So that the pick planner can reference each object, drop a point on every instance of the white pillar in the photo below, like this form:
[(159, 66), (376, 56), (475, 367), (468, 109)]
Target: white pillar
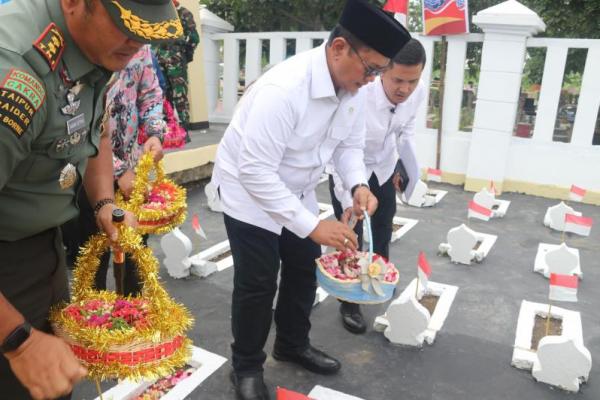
[(507, 27), (211, 24)]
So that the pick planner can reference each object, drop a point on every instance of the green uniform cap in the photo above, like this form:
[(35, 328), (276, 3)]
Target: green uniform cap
[(145, 21)]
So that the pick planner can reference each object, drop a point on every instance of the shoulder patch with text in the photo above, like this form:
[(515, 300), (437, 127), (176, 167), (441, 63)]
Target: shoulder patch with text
[(21, 95), (51, 45)]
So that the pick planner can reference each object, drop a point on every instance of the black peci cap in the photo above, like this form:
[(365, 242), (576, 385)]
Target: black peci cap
[(376, 28)]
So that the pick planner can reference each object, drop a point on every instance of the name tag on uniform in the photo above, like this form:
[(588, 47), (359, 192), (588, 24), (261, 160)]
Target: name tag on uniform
[(76, 129)]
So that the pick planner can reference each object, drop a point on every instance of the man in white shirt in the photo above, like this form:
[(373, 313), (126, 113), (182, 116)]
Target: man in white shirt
[(391, 108), (292, 121)]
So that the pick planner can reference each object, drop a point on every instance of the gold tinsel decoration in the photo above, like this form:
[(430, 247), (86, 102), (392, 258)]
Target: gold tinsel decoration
[(151, 220), (167, 319)]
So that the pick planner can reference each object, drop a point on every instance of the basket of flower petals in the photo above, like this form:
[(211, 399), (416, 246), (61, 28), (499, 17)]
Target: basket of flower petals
[(123, 337), (157, 202), (349, 276)]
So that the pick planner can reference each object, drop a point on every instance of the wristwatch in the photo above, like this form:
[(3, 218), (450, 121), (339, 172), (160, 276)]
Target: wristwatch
[(16, 338)]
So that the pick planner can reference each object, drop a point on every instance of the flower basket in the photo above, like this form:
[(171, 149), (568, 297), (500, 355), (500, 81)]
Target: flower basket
[(350, 277), (123, 337), (157, 202)]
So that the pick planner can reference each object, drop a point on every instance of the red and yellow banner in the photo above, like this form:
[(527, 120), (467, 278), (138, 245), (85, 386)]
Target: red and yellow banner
[(445, 17)]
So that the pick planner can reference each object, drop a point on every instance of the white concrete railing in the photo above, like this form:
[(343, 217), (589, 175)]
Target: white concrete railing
[(532, 161)]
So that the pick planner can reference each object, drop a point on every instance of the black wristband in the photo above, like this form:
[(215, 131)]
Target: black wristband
[(101, 204), (356, 187), (16, 338)]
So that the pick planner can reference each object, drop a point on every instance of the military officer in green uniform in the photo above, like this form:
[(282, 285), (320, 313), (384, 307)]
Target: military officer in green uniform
[(56, 57)]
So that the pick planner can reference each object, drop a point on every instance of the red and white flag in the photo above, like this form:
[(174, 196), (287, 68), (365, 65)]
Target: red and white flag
[(563, 287), (576, 193), (399, 8), (434, 175), (493, 187), (285, 394), (478, 211), (197, 228), (579, 225), (424, 270)]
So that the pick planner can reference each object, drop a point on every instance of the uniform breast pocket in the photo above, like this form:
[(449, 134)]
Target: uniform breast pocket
[(302, 142), (340, 133)]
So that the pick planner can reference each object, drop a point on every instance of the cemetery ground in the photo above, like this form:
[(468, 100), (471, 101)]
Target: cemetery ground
[(470, 358)]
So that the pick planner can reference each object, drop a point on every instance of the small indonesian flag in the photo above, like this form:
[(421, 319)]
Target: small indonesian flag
[(197, 228), (493, 187), (479, 211), (576, 193), (399, 8), (434, 175), (563, 287), (579, 225), (424, 270), (285, 394)]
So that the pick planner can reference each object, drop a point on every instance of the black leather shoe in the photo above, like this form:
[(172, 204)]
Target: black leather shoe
[(249, 387), (310, 358), (352, 318)]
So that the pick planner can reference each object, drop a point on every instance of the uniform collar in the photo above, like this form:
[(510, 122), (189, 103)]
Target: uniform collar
[(76, 62), (321, 83), (381, 99)]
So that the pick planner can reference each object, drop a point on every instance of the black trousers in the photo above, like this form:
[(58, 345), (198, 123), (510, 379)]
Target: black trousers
[(381, 220), (33, 277), (257, 254), (78, 231)]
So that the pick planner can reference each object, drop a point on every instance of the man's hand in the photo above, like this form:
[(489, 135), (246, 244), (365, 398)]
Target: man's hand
[(335, 234), (104, 221), (349, 218), (153, 146), (397, 181), (46, 366), (364, 200), (125, 183)]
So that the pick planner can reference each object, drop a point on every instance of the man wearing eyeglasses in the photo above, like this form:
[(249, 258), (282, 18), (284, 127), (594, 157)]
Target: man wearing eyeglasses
[(291, 122), (393, 100)]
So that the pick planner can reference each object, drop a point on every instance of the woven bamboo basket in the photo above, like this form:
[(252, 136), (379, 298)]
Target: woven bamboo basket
[(158, 203), (137, 351)]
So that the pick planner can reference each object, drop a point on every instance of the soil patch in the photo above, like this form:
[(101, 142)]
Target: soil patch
[(221, 256), (429, 301), (395, 227), (539, 329)]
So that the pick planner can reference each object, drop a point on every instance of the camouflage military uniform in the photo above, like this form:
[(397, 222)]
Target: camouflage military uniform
[(173, 59)]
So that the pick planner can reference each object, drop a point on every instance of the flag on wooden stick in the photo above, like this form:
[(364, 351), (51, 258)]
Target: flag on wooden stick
[(563, 287), (434, 175), (579, 225), (493, 188), (399, 8), (576, 193), (197, 228), (424, 270), (478, 211)]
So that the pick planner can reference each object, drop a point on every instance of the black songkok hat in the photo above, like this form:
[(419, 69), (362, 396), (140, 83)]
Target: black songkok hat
[(376, 28)]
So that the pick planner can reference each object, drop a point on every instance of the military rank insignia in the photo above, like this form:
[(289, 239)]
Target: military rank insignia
[(21, 95), (51, 45)]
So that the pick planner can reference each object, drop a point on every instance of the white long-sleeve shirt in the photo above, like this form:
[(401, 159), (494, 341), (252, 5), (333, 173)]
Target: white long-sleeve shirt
[(287, 127), (390, 135)]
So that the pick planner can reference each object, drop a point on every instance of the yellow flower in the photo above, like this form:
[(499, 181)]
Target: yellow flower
[(374, 270)]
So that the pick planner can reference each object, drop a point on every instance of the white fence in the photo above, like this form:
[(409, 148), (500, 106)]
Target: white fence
[(536, 165)]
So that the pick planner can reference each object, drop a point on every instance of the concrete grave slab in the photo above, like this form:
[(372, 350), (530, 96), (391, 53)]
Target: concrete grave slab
[(465, 245), (557, 258), (205, 362), (408, 322)]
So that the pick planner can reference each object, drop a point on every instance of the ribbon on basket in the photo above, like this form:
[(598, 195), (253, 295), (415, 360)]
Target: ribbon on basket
[(372, 273)]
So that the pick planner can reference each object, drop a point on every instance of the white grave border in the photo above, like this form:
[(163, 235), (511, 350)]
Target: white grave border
[(206, 362)]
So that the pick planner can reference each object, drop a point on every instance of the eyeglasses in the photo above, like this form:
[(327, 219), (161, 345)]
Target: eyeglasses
[(369, 70)]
